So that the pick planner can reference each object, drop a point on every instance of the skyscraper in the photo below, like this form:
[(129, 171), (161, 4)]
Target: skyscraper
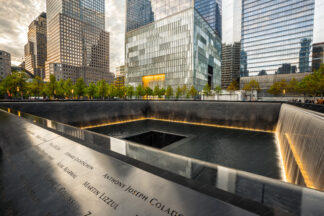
[(211, 11), (78, 45), (231, 49), (178, 47), (5, 64), (36, 47), (318, 55), (276, 34), (230, 64)]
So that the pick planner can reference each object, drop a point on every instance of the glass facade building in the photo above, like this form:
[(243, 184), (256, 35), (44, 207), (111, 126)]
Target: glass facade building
[(78, 45), (143, 12), (181, 49), (211, 11), (277, 36)]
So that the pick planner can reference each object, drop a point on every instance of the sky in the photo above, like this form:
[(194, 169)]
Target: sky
[(16, 15)]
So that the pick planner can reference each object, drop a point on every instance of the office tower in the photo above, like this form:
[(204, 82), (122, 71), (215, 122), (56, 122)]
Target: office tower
[(318, 55), (178, 47), (120, 71), (78, 45), (231, 49), (230, 64), (36, 47), (120, 76), (276, 34), (5, 64), (211, 11)]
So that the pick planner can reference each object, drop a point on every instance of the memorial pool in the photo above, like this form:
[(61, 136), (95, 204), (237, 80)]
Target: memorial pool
[(246, 150)]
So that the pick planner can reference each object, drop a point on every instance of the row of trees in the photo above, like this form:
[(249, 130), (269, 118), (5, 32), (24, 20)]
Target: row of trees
[(311, 85), (18, 85)]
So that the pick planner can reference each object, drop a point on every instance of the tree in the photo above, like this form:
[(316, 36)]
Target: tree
[(234, 86), (140, 91), (169, 92), (20, 80), (275, 89), (218, 90), (252, 86), (102, 89), (207, 90), (292, 86), (184, 90), (193, 92), (148, 92), (60, 89), (51, 87), (79, 87), (178, 92), (161, 92), (121, 92), (68, 87), (7, 86), (91, 90), (278, 88), (36, 86), (156, 91), (130, 91), (112, 92)]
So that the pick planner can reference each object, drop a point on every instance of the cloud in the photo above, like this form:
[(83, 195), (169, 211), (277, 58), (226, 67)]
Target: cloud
[(16, 15), (115, 24)]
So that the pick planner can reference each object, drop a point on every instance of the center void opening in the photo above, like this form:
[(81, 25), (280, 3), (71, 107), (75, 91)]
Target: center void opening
[(155, 139)]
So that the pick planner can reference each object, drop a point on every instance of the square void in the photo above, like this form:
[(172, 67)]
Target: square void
[(155, 139)]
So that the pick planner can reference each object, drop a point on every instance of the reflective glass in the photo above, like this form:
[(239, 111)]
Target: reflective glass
[(275, 35), (182, 48), (142, 12)]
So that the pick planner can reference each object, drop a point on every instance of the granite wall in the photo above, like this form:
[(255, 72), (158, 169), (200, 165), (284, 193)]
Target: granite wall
[(263, 116)]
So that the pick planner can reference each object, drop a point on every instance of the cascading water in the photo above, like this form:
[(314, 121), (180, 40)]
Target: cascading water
[(301, 136)]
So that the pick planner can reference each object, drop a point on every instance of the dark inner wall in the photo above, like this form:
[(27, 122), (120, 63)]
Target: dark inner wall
[(256, 115), (250, 151)]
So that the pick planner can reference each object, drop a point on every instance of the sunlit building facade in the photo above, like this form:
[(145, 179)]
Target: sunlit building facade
[(178, 47), (36, 47), (278, 35), (78, 45)]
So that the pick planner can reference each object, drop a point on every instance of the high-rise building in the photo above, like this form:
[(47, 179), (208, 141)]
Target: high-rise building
[(278, 33), (78, 45), (120, 71), (5, 64), (178, 47), (230, 64), (231, 49), (211, 11), (318, 55), (36, 47)]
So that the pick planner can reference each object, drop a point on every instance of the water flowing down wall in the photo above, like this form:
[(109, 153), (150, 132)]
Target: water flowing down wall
[(301, 136), (261, 116)]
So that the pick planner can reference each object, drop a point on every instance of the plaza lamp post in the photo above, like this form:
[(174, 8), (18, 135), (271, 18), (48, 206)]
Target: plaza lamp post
[(72, 94)]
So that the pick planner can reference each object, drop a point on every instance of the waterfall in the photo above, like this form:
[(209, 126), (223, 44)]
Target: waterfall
[(301, 136)]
